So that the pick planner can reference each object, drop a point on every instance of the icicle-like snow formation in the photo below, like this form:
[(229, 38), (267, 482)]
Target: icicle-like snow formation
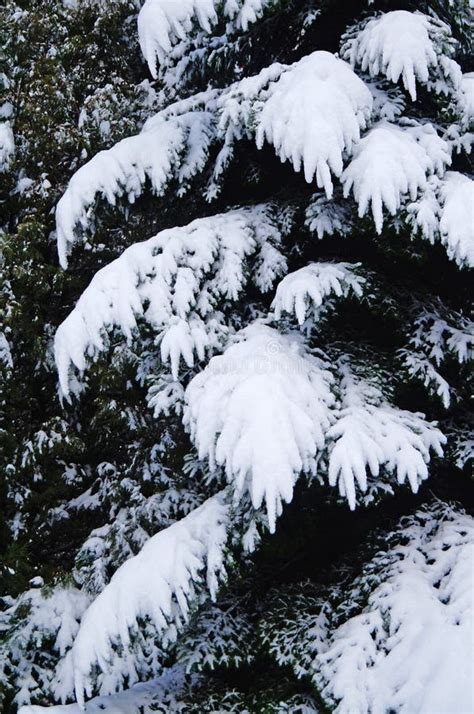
[(179, 275), (157, 584), (391, 162), (456, 221), (445, 212), (313, 116), (161, 23), (261, 411), (406, 45), (410, 649), (370, 436), (305, 290)]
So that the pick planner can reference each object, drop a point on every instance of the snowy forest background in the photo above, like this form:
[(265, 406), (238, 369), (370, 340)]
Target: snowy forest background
[(236, 437)]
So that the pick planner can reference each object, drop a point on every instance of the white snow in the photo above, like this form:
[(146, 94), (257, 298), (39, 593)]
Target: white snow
[(179, 275), (161, 23), (456, 223), (157, 584), (312, 112), (461, 442), (466, 98), (420, 367), (437, 336), (434, 335), (399, 44), (143, 698), (305, 290), (390, 163), (410, 650), (7, 145), (445, 212), (5, 352), (371, 436), (39, 622), (261, 411), (326, 216), (294, 626), (167, 146), (313, 116)]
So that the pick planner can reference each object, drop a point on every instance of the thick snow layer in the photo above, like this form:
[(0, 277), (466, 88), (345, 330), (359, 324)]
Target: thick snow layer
[(398, 44), (370, 436), (179, 275), (167, 147), (445, 212), (7, 145), (456, 222), (157, 584), (261, 411), (312, 112), (173, 144), (392, 162), (306, 290), (410, 650), (161, 23), (313, 116)]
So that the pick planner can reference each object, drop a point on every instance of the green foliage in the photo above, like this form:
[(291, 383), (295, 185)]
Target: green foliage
[(85, 484)]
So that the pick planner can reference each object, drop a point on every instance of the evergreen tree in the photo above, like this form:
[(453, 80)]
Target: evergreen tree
[(236, 431)]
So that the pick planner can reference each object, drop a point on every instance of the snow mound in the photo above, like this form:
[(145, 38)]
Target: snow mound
[(261, 411), (456, 223), (391, 162), (400, 45), (313, 115), (143, 698), (312, 112), (445, 212)]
